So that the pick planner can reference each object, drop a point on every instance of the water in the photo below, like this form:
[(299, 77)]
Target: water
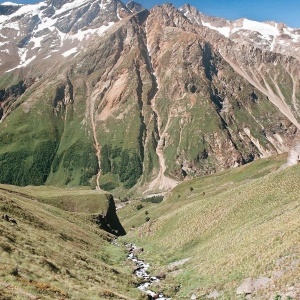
[(141, 271)]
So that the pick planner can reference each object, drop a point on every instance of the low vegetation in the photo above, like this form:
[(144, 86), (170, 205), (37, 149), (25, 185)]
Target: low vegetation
[(238, 224), (49, 253)]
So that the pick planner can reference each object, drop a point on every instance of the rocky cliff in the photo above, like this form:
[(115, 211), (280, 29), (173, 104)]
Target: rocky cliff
[(120, 97)]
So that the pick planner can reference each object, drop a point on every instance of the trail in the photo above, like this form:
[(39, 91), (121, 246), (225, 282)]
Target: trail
[(90, 113)]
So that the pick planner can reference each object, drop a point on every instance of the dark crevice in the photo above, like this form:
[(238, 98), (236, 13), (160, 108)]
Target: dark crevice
[(70, 90), (208, 62), (217, 100), (143, 128)]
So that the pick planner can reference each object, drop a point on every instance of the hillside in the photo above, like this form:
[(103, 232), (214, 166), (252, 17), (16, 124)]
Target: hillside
[(50, 253), (233, 234)]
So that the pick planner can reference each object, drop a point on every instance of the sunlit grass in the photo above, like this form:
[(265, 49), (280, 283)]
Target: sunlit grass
[(232, 225), (57, 254)]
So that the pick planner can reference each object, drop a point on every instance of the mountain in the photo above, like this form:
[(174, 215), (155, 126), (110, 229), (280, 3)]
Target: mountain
[(271, 36), (113, 96)]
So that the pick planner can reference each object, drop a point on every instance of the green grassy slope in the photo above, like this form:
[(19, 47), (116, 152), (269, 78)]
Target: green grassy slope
[(55, 254), (238, 224)]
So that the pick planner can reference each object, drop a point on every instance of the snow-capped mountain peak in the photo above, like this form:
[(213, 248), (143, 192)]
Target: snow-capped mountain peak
[(53, 27), (271, 36)]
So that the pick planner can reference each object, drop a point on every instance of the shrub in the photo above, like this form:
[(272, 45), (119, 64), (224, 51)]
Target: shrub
[(139, 206), (108, 186), (147, 219), (154, 199)]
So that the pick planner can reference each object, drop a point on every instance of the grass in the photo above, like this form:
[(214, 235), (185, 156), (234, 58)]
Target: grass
[(81, 200), (56, 254), (231, 226)]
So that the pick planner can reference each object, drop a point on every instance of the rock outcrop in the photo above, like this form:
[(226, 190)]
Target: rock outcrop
[(110, 221)]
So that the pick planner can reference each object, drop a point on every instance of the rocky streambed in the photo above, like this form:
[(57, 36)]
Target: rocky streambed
[(141, 271)]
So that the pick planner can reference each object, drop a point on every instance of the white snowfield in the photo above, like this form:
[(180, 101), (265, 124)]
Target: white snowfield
[(223, 30), (40, 33), (271, 35), (10, 4), (266, 30)]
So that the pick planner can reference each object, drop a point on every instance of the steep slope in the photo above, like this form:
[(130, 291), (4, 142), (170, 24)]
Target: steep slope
[(232, 235), (50, 253), (154, 99)]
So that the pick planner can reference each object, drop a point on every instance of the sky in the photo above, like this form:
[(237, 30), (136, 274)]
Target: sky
[(286, 11)]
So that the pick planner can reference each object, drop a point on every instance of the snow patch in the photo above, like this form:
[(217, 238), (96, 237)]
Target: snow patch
[(291, 32), (223, 30), (5, 51), (103, 5), (3, 43), (11, 4), (33, 9), (118, 15), (71, 5), (13, 25), (37, 42), (82, 34), (23, 63), (266, 30), (69, 52), (28, 61)]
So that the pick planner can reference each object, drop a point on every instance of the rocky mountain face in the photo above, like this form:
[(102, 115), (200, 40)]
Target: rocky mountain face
[(99, 93), (271, 36)]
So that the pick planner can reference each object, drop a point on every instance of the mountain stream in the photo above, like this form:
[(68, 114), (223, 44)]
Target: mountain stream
[(141, 271)]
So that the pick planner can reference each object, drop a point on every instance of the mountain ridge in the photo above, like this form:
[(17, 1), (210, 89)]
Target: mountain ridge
[(149, 100)]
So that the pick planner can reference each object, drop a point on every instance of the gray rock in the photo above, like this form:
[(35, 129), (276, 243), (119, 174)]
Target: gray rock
[(214, 295), (250, 285), (246, 287)]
